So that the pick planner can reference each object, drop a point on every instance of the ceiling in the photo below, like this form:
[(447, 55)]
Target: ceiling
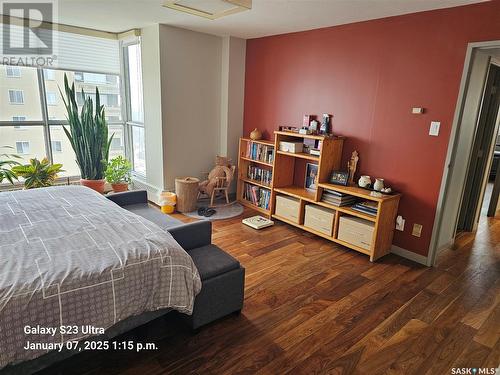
[(267, 17)]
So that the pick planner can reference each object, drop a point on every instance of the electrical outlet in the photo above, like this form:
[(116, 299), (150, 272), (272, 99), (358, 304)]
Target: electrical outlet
[(400, 223), (417, 230)]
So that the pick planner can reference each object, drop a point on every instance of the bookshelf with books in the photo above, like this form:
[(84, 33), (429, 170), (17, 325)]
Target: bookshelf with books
[(255, 174), (362, 220)]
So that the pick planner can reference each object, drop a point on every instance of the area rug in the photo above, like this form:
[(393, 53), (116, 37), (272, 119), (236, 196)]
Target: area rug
[(222, 212)]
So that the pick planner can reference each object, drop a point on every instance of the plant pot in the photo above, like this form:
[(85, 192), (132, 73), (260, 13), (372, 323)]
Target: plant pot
[(97, 185), (119, 187)]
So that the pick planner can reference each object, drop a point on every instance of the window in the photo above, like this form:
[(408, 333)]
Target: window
[(22, 147), (13, 71), (138, 145), (16, 97), (109, 94), (135, 110), (56, 146), (30, 140), (49, 74), (51, 98), (135, 82), (116, 143)]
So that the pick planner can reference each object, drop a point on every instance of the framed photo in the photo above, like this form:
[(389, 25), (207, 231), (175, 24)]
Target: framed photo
[(339, 178), (311, 176)]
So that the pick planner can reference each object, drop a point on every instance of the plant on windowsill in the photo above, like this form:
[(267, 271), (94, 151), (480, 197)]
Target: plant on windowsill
[(38, 173), (6, 166), (88, 135), (118, 173)]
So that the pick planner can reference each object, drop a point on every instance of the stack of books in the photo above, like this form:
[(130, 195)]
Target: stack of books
[(366, 207), (260, 152), (258, 174), (258, 196), (337, 199)]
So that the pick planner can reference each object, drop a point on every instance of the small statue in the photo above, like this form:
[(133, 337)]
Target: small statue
[(325, 124), (352, 165)]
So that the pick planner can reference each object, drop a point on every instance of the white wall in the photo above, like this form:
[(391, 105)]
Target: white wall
[(153, 132), (193, 102), (191, 91), (232, 96)]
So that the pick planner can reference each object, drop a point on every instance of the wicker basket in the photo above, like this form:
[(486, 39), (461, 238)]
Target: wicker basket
[(186, 189)]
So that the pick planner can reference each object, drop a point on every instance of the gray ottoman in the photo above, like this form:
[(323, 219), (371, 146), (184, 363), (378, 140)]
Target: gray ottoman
[(222, 276)]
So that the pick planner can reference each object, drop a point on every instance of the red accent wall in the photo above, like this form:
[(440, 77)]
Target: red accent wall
[(369, 75)]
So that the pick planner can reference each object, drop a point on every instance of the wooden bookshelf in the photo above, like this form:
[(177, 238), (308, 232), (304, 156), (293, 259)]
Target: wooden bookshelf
[(284, 167), (244, 161)]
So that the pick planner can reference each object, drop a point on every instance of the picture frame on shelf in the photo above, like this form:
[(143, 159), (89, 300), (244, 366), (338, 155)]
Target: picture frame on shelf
[(311, 179), (339, 178)]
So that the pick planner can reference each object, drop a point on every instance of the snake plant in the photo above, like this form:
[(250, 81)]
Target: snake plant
[(6, 166), (88, 132), (38, 173)]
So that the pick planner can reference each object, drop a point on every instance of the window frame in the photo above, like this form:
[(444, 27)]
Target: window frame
[(22, 146), (16, 91), (12, 68), (46, 123), (127, 108)]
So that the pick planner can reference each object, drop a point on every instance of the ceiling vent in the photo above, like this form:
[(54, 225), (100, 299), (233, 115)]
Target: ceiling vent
[(211, 9)]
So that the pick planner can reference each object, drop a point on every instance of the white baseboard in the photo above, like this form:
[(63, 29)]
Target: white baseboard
[(409, 255)]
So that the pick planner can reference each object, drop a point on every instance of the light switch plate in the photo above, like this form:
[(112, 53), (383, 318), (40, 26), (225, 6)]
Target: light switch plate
[(417, 230), (434, 129)]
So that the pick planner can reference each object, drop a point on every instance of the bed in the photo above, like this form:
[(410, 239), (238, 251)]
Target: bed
[(69, 257)]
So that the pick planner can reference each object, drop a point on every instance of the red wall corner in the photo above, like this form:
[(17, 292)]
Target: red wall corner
[(369, 75)]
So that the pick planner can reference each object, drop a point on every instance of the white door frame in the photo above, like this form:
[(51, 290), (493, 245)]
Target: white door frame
[(452, 145)]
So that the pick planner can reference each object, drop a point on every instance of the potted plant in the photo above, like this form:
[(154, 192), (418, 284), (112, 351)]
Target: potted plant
[(118, 173), (88, 135), (6, 167), (38, 173)]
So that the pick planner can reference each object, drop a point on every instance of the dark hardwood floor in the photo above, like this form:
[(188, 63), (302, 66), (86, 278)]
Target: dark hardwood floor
[(312, 306)]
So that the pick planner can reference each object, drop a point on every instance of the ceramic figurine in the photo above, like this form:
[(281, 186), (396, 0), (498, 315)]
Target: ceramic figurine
[(379, 184), (364, 181)]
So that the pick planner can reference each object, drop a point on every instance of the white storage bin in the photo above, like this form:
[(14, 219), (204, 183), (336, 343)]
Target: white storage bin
[(319, 218), (288, 208), (356, 231)]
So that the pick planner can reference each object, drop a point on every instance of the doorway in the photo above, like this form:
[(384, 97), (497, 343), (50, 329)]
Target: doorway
[(465, 142), (482, 154)]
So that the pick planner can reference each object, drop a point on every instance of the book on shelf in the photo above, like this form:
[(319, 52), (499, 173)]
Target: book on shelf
[(259, 174), (367, 207), (336, 198), (260, 152), (258, 196)]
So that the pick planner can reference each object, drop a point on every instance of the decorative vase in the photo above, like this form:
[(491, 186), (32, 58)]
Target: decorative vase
[(97, 185), (120, 187), (255, 135), (364, 181), (379, 184)]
